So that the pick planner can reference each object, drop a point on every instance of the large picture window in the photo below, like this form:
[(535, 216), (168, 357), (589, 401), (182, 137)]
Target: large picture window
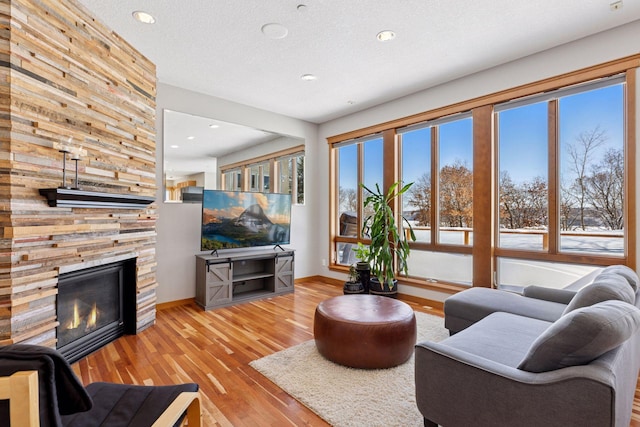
[(437, 156), (591, 133), (358, 161), (561, 168), (553, 167), (523, 165)]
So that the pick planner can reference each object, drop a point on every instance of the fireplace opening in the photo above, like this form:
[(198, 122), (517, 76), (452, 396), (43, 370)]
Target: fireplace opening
[(94, 307)]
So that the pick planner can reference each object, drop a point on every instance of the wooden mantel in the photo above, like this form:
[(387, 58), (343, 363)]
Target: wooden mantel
[(75, 198)]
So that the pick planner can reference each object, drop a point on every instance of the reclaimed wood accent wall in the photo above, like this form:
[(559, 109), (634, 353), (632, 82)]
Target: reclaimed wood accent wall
[(67, 80)]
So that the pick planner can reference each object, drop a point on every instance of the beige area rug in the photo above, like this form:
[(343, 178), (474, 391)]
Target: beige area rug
[(347, 397)]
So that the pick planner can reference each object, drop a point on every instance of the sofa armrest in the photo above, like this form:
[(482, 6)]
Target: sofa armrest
[(562, 296), (454, 387)]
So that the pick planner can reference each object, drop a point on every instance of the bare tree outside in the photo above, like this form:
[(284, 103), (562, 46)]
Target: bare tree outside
[(568, 212), (348, 199), (512, 202), (537, 196), (523, 205), (581, 154), (605, 189)]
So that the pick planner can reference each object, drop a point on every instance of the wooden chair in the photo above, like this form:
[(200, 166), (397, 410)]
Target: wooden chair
[(39, 388), (21, 390)]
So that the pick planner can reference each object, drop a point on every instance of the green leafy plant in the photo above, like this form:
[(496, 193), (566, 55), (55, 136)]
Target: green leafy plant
[(353, 274), (362, 252), (388, 243)]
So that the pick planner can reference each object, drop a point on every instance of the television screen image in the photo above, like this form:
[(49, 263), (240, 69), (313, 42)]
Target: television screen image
[(239, 219)]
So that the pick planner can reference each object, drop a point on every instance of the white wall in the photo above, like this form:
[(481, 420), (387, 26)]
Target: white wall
[(586, 52), (178, 224)]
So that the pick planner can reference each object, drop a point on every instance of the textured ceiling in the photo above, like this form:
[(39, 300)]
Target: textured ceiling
[(217, 47)]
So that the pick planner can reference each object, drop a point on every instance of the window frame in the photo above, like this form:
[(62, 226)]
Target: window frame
[(484, 249), (554, 252), (274, 177)]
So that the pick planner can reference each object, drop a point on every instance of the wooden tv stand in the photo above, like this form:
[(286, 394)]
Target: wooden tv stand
[(227, 279)]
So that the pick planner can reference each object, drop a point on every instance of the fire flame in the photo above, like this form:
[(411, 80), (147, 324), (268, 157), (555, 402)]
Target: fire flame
[(92, 318), (90, 321), (75, 320)]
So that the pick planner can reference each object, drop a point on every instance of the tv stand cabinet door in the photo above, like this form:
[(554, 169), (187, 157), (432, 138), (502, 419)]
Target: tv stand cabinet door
[(284, 274), (217, 288)]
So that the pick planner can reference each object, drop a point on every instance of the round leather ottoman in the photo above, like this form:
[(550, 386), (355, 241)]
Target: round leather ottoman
[(365, 331)]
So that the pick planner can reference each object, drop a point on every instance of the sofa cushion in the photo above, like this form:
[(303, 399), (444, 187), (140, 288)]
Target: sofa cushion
[(605, 287), (472, 305), (582, 336), (626, 272)]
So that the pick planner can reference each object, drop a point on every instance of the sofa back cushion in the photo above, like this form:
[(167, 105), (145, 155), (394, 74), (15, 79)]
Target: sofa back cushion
[(582, 336), (605, 287), (627, 273)]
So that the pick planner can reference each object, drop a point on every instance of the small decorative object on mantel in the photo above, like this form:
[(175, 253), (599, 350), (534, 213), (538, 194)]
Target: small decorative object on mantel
[(76, 152), (76, 158), (66, 196), (64, 167)]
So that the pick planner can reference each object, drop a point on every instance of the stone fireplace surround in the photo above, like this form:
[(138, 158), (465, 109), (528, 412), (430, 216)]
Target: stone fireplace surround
[(68, 79)]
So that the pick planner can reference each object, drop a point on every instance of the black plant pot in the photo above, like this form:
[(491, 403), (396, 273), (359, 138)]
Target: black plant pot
[(377, 288), (353, 288), (364, 272)]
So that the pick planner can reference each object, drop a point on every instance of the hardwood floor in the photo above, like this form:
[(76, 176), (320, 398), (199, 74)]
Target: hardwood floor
[(214, 349)]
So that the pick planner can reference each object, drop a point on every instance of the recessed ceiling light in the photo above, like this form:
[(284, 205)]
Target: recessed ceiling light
[(191, 138), (174, 146), (308, 77), (214, 126), (386, 35), (144, 17), (274, 31)]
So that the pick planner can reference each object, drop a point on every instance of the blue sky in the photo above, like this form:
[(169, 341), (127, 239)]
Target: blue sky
[(523, 139)]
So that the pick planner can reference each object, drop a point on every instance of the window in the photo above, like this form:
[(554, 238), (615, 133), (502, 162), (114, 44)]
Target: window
[(372, 173), (416, 168), (286, 167), (523, 165), (357, 161), (348, 190), (591, 133), (291, 176), (439, 152), (232, 180), (455, 182), (259, 177), (584, 150), (528, 182)]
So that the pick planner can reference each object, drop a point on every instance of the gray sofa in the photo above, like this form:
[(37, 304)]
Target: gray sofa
[(571, 359)]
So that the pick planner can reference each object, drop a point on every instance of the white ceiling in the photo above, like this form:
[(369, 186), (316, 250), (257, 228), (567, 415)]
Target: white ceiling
[(191, 144), (217, 47)]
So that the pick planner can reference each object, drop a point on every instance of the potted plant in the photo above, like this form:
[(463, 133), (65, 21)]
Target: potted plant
[(353, 285), (362, 266), (388, 245)]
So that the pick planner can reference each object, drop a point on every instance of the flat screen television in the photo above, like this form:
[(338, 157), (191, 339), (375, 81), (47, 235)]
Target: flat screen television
[(240, 219)]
